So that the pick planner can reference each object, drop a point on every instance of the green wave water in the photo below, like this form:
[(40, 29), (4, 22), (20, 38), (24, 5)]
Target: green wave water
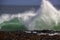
[(13, 25)]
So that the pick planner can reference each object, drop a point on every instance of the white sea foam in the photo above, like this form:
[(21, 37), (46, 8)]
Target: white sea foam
[(47, 17)]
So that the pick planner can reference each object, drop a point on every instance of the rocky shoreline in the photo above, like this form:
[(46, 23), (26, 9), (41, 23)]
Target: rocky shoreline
[(30, 35)]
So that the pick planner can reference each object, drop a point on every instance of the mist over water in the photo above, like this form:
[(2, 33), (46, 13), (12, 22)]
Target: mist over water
[(46, 18)]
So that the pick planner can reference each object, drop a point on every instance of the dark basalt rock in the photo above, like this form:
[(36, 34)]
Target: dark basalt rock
[(45, 31), (30, 35)]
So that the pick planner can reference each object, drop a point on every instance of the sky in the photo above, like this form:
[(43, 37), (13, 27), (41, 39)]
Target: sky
[(25, 2)]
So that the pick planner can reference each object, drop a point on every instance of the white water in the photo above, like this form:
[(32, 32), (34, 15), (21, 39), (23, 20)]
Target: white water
[(24, 16), (45, 18)]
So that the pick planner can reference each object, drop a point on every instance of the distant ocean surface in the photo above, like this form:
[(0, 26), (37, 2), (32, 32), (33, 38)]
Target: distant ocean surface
[(19, 9)]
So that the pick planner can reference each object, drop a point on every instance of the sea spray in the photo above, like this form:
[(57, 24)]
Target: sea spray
[(13, 22), (47, 17)]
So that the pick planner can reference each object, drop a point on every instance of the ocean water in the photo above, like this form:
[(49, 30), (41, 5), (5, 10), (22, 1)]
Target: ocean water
[(9, 20), (14, 18), (19, 9)]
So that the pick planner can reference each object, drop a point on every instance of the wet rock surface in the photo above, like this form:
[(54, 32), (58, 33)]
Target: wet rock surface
[(30, 35)]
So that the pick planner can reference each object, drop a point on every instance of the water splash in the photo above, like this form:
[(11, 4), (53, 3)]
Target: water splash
[(24, 16), (5, 18), (48, 17)]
